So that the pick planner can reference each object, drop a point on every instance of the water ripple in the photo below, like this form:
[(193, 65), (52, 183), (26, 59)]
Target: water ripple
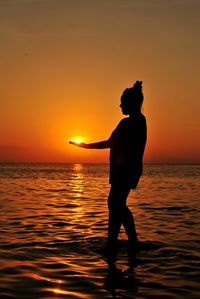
[(53, 233)]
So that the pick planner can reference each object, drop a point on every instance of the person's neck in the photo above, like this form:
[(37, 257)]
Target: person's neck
[(135, 113)]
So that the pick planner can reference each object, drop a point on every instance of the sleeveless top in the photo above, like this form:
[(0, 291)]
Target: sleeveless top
[(127, 143)]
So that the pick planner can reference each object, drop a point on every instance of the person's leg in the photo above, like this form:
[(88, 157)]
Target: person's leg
[(129, 225), (117, 206)]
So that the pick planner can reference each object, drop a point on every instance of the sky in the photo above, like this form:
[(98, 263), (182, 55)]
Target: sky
[(65, 63)]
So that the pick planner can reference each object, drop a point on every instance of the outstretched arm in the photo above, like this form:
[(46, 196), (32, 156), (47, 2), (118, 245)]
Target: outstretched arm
[(96, 145)]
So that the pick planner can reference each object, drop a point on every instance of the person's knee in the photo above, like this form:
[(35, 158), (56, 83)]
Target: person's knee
[(117, 200)]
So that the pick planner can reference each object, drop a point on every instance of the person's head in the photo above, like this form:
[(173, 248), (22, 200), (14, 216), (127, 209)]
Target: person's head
[(132, 99)]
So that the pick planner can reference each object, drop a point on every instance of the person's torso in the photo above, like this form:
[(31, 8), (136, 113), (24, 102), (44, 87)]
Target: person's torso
[(127, 141)]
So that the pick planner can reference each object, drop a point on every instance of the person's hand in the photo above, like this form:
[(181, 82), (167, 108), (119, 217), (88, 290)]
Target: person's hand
[(72, 142), (81, 144)]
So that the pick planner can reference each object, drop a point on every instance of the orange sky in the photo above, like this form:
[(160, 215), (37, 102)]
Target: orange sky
[(64, 65)]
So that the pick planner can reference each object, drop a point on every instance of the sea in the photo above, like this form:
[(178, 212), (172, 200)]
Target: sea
[(53, 232)]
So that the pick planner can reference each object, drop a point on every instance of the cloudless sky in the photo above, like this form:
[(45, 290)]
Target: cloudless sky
[(65, 63)]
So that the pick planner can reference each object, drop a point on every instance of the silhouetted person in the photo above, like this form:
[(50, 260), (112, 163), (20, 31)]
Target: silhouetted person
[(127, 144)]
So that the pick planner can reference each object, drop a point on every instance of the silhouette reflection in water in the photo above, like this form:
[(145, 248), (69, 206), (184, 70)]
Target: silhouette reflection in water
[(127, 144), (118, 282), (121, 283)]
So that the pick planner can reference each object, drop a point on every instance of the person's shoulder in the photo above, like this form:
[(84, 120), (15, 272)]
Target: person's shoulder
[(124, 121)]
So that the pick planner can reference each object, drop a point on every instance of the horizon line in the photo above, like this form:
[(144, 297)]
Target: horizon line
[(161, 163)]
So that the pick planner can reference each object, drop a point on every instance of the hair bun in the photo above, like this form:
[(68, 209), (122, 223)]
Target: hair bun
[(138, 85)]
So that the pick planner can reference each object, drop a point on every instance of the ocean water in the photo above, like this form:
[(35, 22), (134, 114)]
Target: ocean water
[(53, 230)]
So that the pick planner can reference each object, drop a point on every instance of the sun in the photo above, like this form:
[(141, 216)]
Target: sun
[(77, 140)]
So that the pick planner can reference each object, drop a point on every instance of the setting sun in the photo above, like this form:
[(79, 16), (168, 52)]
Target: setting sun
[(77, 140)]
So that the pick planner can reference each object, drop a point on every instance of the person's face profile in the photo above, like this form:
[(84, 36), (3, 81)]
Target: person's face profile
[(124, 106)]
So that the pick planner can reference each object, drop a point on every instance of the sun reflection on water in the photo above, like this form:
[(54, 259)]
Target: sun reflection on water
[(77, 180), (77, 187), (58, 289), (72, 294)]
